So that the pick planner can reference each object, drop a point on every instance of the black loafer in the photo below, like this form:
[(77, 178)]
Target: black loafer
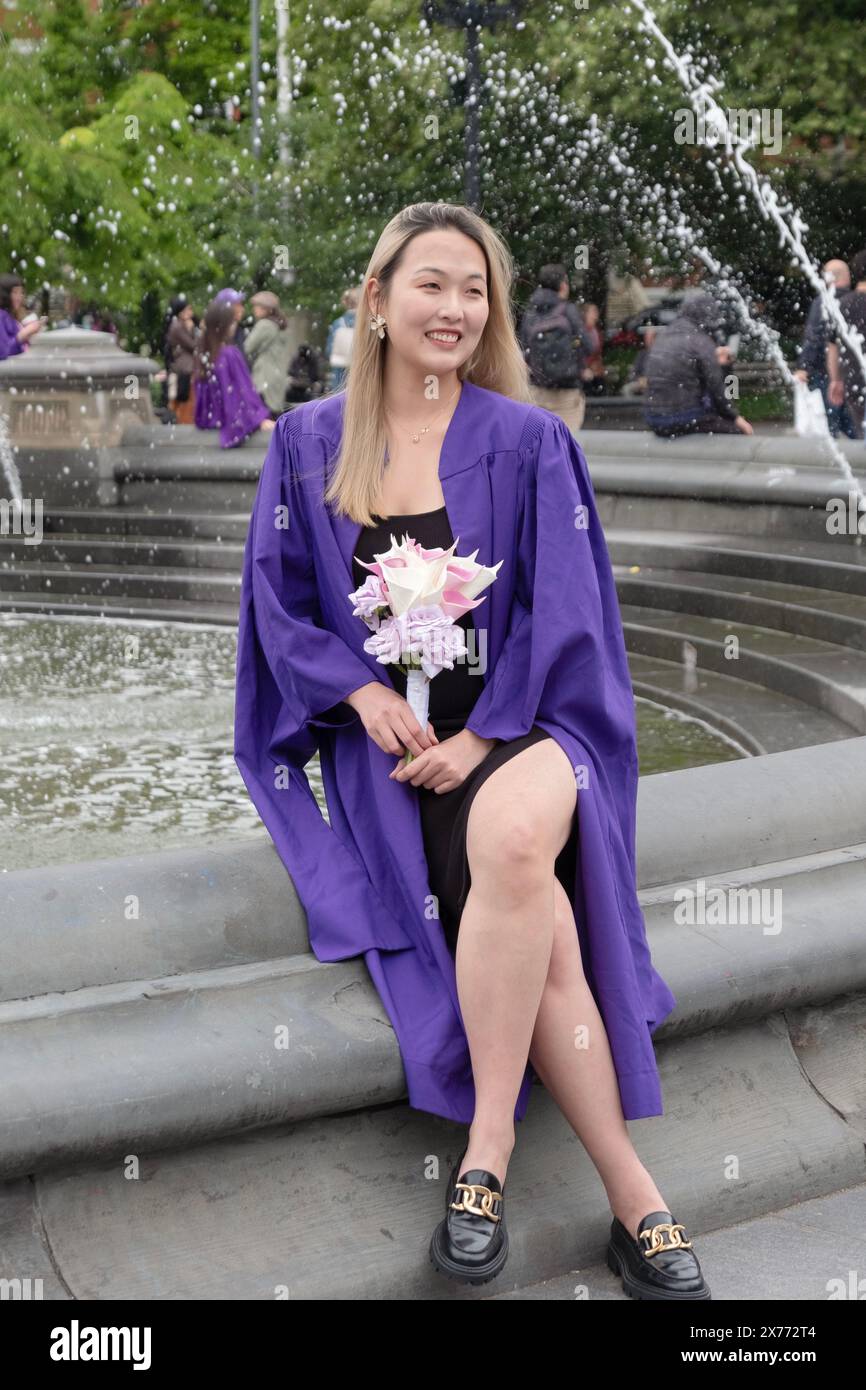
[(660, 1263), (471, 1244)]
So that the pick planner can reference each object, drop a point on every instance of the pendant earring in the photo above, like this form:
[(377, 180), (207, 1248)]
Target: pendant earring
[(377, 324)]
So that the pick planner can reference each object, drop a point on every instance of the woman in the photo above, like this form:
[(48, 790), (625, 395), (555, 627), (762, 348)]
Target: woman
[(236, 299), (268, 350), (338, 348), (180, 343), (225, 398), (594, 384), (15, 336), (458, 877)]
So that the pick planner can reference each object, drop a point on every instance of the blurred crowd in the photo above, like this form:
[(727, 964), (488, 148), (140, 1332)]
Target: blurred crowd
[(237, 366)]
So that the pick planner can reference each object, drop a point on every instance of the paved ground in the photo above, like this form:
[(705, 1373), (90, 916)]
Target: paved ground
[(814, 1251)]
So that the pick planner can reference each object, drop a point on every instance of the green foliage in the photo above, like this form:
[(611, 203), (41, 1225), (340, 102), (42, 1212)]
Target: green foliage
[(122, 176)]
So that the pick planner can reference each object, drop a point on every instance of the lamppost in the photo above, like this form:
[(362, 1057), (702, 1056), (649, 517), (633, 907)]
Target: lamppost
[(473, 16)]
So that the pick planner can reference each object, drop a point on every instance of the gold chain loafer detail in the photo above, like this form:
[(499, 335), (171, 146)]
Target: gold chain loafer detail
[(471, 1244), (660, 1264), (656, 1241), (469, 1203)]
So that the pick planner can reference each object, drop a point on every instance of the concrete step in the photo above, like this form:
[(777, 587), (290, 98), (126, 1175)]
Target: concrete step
[(756, 719), (193, 585), (830, 677), (804, 1252), (127, 521), (83, 551), (831, 617), (838, 565), (342, 1207), (116, 606), (113, 1036)]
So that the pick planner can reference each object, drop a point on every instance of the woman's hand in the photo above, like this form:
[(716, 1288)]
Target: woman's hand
[(448, 764), (389, 720)]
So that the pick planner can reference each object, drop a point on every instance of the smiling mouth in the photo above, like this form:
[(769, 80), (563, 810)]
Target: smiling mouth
[(442, 335)]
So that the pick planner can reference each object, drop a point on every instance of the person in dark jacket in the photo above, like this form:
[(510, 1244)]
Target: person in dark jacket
[(685, 386), (180, 345), (556, 346), (847, 382), (811, 360)]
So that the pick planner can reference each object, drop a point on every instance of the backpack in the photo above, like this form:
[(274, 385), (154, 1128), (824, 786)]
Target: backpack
[(553, 356)]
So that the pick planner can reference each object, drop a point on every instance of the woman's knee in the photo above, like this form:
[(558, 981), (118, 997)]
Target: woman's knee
[(512, 852)]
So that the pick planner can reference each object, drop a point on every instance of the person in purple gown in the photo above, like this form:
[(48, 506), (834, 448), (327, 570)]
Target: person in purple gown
[(225, 396), (15, 336), (550, 978)]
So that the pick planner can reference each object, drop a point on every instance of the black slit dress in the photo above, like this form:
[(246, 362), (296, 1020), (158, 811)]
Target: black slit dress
[(453, 694)]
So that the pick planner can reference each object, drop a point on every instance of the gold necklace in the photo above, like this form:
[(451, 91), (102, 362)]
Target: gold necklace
[(416, 437)]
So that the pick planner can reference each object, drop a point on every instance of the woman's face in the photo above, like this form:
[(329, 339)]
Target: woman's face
[(239, 311), (259, 311), (185, 315), (590, 315), (16, 295), (441, 285)]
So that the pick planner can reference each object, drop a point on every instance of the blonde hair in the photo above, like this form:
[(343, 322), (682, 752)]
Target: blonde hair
[(497, 363)]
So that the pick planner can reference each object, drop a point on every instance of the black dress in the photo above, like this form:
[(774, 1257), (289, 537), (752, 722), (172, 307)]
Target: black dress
[(444, 815)]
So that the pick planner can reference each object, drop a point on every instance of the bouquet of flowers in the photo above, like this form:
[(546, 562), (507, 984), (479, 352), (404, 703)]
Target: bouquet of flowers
[(412, 601)]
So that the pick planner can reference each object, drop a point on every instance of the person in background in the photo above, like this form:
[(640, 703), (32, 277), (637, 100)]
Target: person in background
[(811, 358), (847, 382), (635, 384), (102, 322), (307, 374), (236, 299), (338, 348), (225, 398), (555, 347), (180, 343), (685, 386), (268, 350), (594, 381), (626, 297), (17, 329)]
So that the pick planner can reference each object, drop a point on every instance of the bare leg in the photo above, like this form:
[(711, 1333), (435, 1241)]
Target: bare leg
[(571, 1053), (519, 821)]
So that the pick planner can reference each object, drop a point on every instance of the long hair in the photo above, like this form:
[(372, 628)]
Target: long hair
[(8, 281), (175, 306), (497, 363), (216, 328)]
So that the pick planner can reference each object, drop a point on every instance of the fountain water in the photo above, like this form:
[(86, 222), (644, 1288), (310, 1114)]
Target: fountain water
[(788, 220), (7, 462)]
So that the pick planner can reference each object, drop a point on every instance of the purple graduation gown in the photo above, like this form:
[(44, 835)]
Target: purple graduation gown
[(228, 401), (516, 489), (9, 330)]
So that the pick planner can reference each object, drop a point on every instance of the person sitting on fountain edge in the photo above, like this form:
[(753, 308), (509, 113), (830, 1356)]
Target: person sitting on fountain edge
[(16, 329), (847, 382), (685, 386), (225, 397)]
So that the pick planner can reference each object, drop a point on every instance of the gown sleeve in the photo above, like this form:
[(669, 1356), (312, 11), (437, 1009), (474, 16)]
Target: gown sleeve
[(563, 659), (313, 669), (9, 329)]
